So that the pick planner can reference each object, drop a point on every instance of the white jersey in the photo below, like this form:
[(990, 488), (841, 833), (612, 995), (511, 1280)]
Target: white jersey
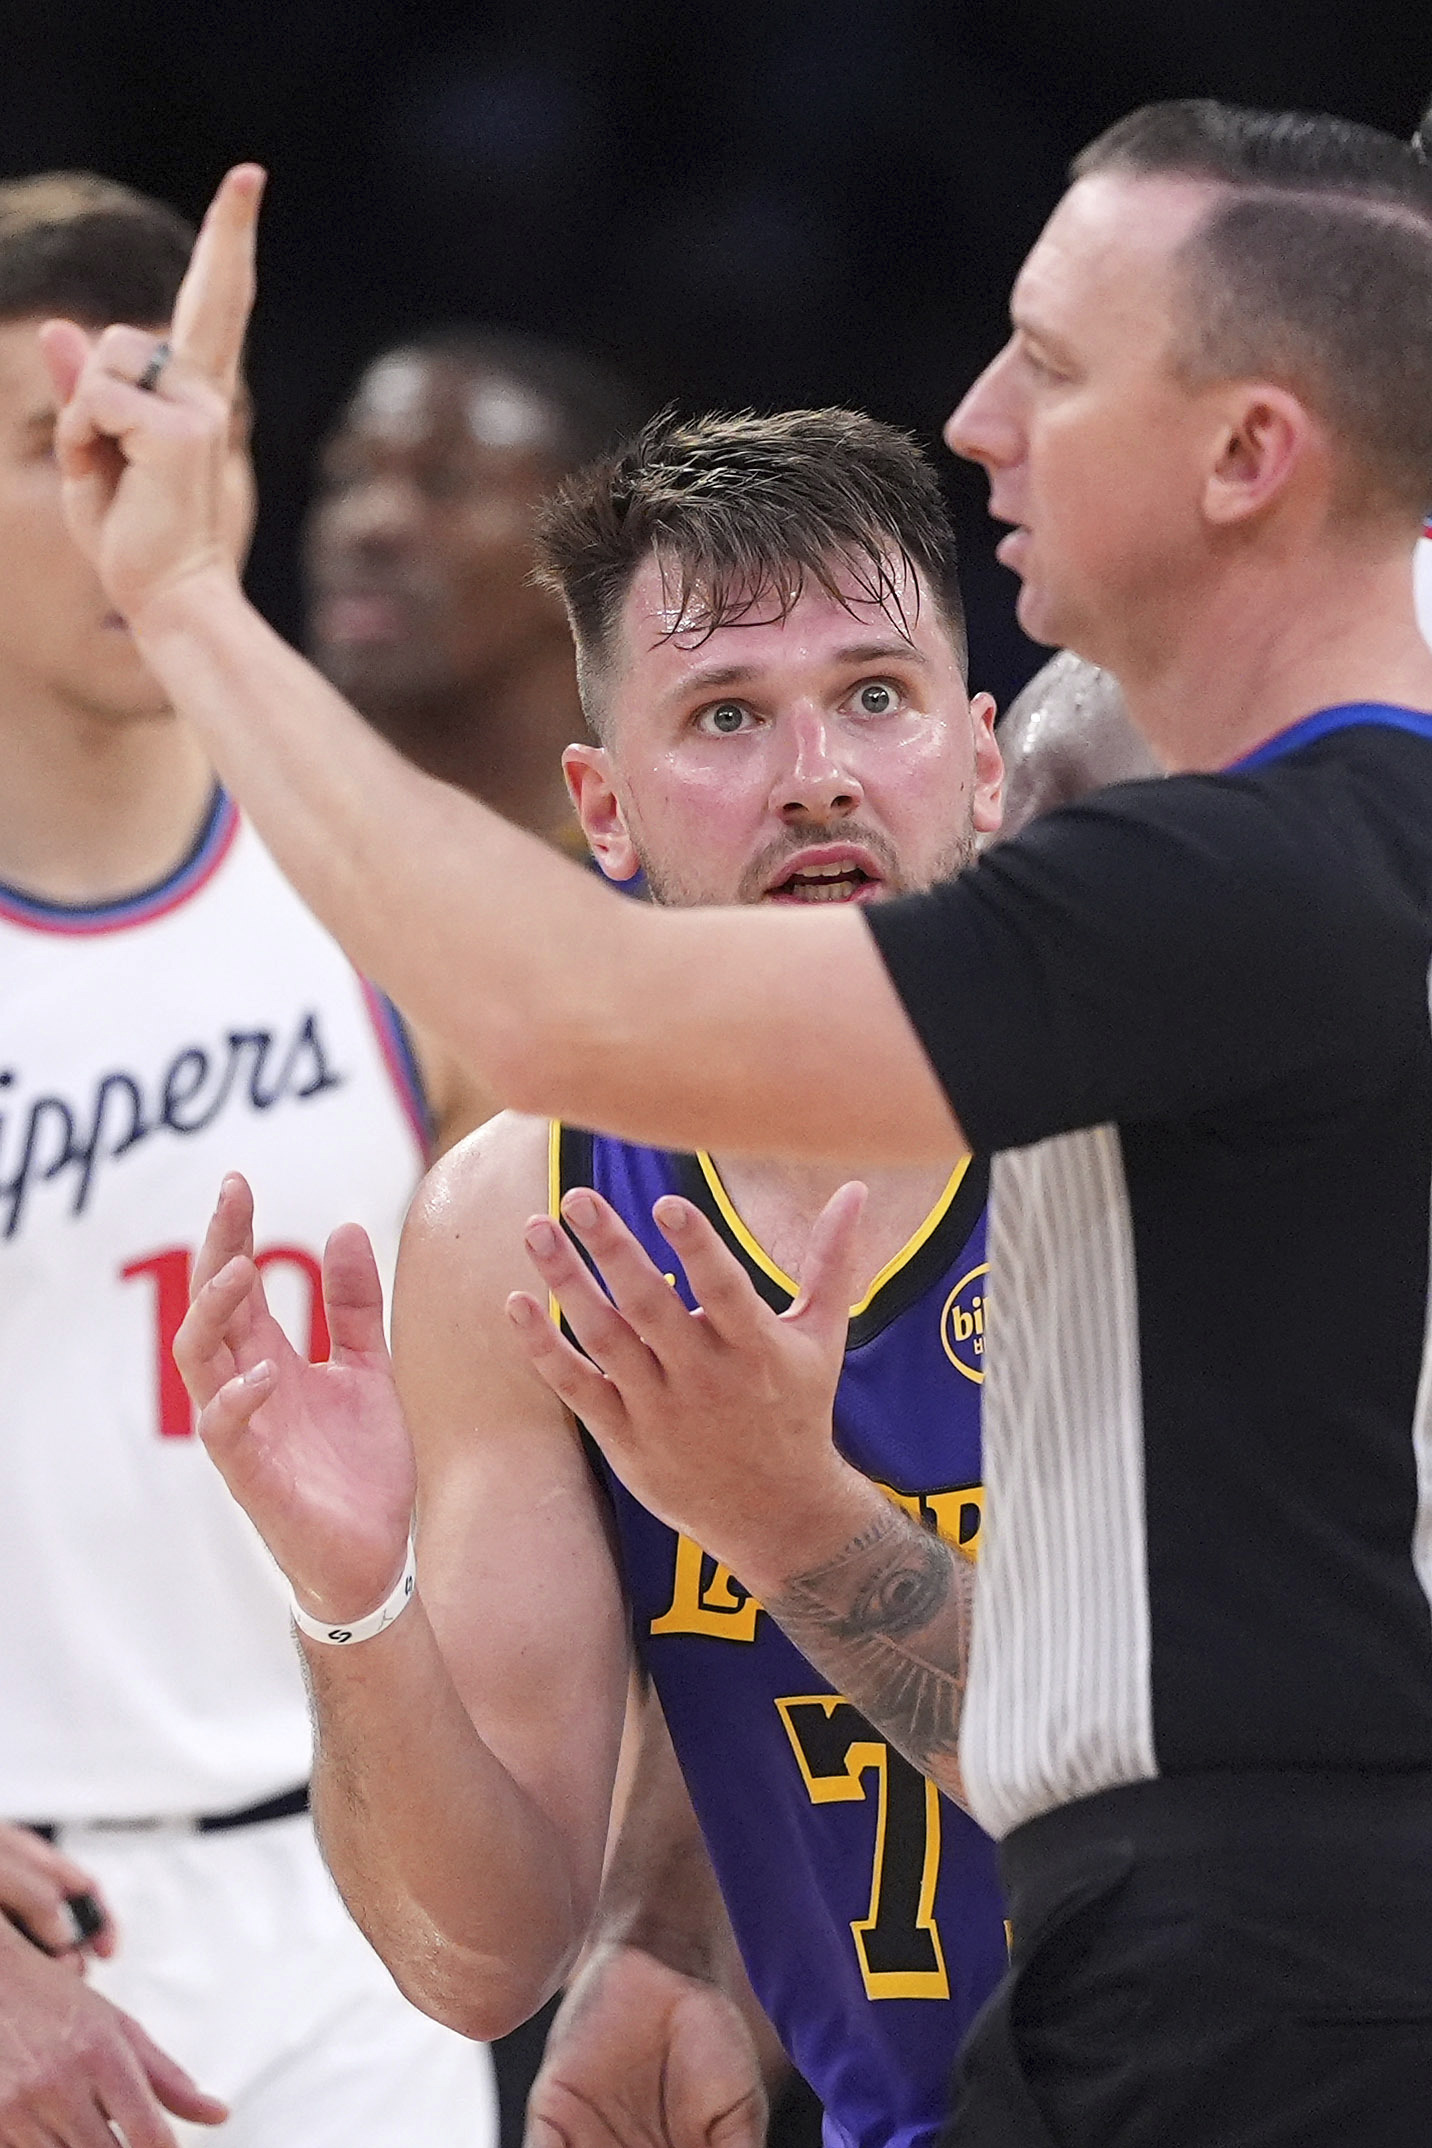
[(208, 1025), (1422, 573)]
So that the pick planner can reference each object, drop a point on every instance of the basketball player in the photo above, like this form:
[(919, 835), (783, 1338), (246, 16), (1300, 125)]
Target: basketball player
[(423, 608), (816, 752), (169, 1003)]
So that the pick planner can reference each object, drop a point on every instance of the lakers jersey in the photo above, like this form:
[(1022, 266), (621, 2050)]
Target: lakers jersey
[(866, 1906), (148, 1046)]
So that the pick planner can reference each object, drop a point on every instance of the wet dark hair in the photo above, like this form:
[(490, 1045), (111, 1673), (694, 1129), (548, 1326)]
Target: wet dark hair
[(72, 243), (1313, 268), (741, 511)]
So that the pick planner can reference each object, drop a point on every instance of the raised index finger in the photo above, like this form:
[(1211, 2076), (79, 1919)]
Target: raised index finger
[(216, 297)]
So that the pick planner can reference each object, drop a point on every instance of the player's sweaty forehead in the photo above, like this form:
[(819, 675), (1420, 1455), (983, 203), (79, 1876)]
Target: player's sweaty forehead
[(670, 636)]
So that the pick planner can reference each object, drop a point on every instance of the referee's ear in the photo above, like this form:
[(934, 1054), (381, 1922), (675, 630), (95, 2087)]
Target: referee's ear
[(1267, 448)]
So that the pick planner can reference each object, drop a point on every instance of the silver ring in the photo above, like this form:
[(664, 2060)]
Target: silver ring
[(158, 358)]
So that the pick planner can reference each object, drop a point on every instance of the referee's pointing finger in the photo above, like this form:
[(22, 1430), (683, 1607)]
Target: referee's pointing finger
[(212, 309)]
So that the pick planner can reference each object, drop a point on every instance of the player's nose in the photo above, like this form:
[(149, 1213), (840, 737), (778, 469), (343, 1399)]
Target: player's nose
[(380, 511), (815, 780)]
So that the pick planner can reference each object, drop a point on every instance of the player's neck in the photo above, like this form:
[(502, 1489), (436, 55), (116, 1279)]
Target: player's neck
[(501, 739), (94, 807), (1271, 647), (779, 1201)]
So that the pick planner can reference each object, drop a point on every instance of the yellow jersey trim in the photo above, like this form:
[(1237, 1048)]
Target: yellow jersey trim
[(554, 1201), (891, 1269)]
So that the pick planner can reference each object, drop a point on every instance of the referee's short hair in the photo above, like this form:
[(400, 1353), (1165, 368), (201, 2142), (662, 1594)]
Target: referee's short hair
[(72, 243), (744, 512), (1314, 270)]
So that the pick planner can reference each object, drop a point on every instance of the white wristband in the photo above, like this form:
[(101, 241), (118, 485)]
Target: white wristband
[(363, 1629)]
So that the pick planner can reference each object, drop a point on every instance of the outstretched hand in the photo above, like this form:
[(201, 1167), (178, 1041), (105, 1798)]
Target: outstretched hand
[(318, 1456), (147, 474), (718, 1420)]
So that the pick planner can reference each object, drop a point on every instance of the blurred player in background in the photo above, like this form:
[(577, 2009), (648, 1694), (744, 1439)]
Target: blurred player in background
[(419, 562), (170, 1005), (807, 739), (424, 610)]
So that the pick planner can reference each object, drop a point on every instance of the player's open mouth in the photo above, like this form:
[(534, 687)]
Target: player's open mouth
[(845, 882)]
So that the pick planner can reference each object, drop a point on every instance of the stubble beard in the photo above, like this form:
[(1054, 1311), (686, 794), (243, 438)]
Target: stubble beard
[(673, 891)]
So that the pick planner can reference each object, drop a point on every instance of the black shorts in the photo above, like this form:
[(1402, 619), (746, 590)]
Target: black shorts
[(1232, 1961)]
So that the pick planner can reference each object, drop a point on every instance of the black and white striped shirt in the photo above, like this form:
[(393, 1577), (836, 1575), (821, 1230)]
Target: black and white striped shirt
[(1189, 1019)]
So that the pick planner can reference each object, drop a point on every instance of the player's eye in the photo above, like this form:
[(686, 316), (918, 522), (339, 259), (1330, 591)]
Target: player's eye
[(724, 717), (877, 697)]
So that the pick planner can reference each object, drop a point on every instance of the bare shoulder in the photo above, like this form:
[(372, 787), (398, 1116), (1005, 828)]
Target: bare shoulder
[(467, 1386), (1066, 734), (466, 1220)]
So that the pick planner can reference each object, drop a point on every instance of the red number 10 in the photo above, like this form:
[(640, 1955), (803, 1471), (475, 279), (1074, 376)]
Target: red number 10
[(171, 1271)]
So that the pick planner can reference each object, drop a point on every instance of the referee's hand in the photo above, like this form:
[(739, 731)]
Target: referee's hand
[(73, 2067), (145, 452)]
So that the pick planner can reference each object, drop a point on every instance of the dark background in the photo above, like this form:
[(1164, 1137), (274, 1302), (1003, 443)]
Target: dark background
[(804, 201)]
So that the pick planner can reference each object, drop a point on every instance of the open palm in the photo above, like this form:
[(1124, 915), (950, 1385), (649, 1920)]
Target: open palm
[(317, 1455)]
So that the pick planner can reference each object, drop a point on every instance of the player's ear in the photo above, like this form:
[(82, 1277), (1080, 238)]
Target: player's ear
[(588, 771), (1266, 435), (987, 805)]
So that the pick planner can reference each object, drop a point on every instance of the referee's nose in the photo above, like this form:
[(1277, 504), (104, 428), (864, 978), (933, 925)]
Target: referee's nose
[(814, 783)]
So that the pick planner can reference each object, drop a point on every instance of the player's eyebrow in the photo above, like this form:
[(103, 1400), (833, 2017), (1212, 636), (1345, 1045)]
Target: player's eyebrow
[(707, 677)]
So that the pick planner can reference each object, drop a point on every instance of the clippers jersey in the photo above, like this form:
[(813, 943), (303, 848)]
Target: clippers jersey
[(866, 1906), (147, 1047)]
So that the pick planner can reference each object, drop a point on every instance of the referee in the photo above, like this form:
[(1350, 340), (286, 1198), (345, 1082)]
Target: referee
[(1189, 1021)]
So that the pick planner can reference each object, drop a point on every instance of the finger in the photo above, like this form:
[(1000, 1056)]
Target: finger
[(21, 1850), (573, 1379), (610, 1340), (353, 1297), (212, 310), (125, 353), (106, 409), (719, 1283), (636, 1286), (65, 347), (76, 2121), (177, 2090), (829, 1279), (209, 1347), (231, 1231), (226, 1417)]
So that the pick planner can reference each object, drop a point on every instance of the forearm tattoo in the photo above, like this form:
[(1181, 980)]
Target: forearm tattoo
[(888, 1622)]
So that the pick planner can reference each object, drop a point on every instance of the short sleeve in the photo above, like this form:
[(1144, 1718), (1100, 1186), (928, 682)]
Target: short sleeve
[(1162, 950)]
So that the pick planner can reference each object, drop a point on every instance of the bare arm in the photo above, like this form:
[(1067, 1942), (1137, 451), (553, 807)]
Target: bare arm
[(465, 1755), (752, 1030), (659, 2038)]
